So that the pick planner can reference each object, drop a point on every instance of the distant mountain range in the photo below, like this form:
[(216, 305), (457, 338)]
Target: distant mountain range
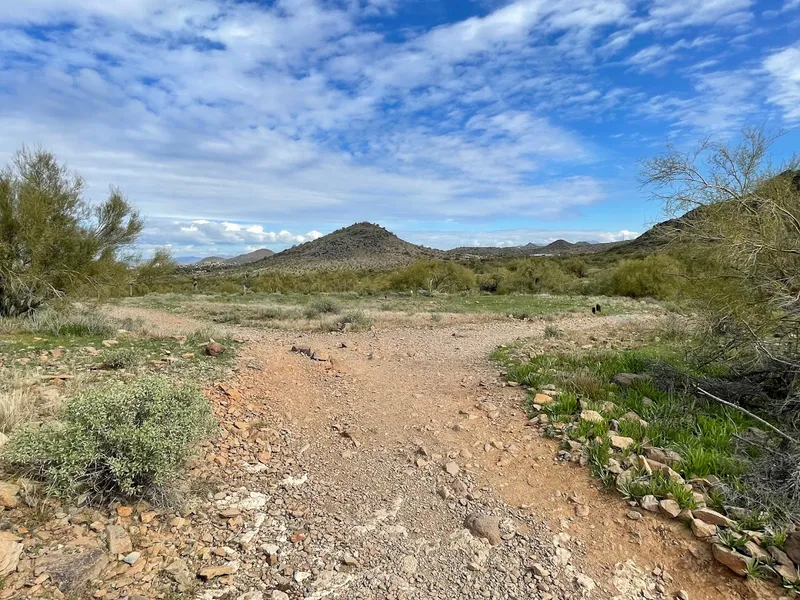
[(369, 246)]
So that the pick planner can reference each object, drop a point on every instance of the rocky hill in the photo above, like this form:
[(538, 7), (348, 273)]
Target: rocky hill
[(242, 259), (359, 246)]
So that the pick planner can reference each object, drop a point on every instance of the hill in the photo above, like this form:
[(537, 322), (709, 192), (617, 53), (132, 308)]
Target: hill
[(359, 246), (236, 261)]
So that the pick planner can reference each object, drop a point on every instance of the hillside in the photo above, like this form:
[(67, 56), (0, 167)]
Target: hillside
[(359, 246), (242, 259)]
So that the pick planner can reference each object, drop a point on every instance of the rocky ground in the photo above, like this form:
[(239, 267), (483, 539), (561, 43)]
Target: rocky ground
[(395, 465)]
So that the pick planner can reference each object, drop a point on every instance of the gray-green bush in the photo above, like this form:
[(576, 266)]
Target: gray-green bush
[(119, 440)]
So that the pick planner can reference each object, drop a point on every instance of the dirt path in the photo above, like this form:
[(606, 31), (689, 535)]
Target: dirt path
[(353, 478)]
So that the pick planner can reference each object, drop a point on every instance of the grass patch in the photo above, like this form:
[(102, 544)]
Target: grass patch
[(17, 401), (120, 358), (706, 435)]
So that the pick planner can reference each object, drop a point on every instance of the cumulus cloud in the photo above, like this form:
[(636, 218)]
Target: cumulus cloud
[(513, 237), (302, 111)]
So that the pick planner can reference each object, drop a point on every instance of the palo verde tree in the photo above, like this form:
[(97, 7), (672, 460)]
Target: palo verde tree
[(740, 241), (52, 240)]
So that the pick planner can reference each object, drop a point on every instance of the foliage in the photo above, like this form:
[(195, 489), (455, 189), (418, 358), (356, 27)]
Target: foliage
[(322, 306), (52, 241), (69, 323), (16, 399), (741, 238), (120, 439), (656, 276), (433, 276), (120, 358)]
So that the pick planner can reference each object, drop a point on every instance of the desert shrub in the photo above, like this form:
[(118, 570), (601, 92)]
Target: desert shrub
[(576, 266), (432, 276), (120, 358), (551, 331), (358, 318), (657, 276), (322, 306), (120, 439), (536, 276)]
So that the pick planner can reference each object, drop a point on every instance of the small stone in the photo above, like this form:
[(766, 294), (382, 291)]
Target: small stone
[(118, 540), (670, 508), (409, 564), (667, 457), (581, 510), (8, 494), (703, 530), (628, 379), (214, 349), (486, 527), (254, 595), (620, 442), (592, 416), (179, 571), (10, 551), (212, 572), (124, 511), (649, 503), (132, 558), (682, 595), (635, 515), (278, 595), (542, 399), (452, 468), (731, 559), (713, 517)]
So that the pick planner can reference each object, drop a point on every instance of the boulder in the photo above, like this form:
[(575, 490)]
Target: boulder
[(485, 527), (730, 558), (70, 571)]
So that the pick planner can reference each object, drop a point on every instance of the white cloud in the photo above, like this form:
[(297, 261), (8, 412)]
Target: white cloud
[(298, 111), (513, 237), (784, 69)]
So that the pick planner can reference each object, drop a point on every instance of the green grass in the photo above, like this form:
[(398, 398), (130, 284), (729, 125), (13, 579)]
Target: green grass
[(704, 433)]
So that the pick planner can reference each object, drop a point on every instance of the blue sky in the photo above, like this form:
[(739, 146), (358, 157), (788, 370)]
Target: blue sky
[(237, 125)]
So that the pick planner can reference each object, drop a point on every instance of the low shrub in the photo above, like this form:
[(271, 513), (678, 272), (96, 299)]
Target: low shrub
[(121, 439), (121, 358), (322, 306), (357, 318)]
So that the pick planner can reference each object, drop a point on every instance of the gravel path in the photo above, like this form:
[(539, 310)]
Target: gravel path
[(403, 468)]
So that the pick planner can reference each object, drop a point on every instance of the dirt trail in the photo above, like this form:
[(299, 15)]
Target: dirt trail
[(370, 463)]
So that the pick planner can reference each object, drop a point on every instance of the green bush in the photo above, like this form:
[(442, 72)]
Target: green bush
[(121, 439), (121, 358), (323, 306), (657, 276), (358, 319)]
